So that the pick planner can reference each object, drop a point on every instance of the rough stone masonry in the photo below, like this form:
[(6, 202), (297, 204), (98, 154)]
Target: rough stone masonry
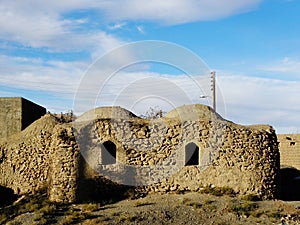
[(189, 148)]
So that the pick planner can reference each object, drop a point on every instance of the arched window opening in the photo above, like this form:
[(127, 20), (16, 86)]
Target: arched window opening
[(108, 153), (191, 154)]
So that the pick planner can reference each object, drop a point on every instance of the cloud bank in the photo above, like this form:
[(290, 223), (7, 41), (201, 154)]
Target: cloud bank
[(45, 24), (172, 12), (246, 100), (81, 27), (253, 100)]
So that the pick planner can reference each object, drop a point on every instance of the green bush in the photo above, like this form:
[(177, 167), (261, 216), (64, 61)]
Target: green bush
[(91, 207), (251, 197), (128, 218), (274, 214), (196, 205), (180, 192), (188, 202), (185, 201), (69, 219), (138, 203), (245, 208), (134, 194), (218, 191), (38, 216), (208, 202)]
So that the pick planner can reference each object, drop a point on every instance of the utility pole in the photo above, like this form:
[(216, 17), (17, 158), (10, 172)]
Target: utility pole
[(213, 89)]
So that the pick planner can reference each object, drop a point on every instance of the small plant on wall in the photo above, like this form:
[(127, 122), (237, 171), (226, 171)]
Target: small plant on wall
[(153, 113)]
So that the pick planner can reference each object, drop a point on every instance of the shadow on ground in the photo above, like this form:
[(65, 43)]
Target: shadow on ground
[(289, 184)]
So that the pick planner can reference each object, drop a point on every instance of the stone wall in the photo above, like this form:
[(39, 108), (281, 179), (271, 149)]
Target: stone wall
[(25, 158), (16, 114), (152, 153), (190, 148), (289, 146), (64, 164), (44, 155)]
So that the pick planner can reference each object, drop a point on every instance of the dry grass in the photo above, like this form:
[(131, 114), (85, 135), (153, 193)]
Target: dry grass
[(191, 207), (218, 191), (251, 197), (37, 203), (245, 208), (91, 207), (141, 203), (128, 218)]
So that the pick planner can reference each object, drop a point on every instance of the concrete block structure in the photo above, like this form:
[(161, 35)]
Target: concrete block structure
[(16, 114), (289, 147)]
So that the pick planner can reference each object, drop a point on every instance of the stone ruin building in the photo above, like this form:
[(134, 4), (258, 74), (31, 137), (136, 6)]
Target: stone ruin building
[(110, 148)]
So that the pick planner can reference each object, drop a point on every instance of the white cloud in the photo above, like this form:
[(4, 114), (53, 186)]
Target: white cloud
[(128, 89), (141, 29), (135, 90), (252, 100), (61, 78), (42, 25), (175, 11), (33, 30), (242, 99), (285, 66), (247, 100), (117, 26), (52, 84)]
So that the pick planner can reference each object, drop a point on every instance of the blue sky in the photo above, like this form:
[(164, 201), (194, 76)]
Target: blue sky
[(46, 49)]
